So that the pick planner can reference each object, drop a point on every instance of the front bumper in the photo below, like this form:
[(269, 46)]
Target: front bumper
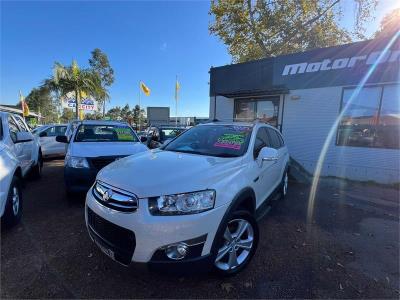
[(149, 234)]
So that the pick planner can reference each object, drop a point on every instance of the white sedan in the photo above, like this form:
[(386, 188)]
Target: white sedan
[(47, 135)]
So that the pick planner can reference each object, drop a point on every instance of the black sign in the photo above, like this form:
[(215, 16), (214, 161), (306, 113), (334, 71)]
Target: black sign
[(379, 60)]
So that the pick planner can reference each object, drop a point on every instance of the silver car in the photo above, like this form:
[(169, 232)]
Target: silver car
[(47, 135)]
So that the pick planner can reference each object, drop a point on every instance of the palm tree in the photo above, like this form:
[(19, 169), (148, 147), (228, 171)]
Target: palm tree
[(79, 81)]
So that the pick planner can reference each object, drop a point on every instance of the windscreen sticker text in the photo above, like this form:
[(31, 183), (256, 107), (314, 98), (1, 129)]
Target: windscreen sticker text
[(230, 141)]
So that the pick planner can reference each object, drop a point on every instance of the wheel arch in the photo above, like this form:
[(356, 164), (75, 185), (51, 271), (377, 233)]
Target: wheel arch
[(245, 199)]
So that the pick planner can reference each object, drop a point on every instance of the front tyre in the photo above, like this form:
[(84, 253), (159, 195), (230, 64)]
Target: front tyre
[(13, 209), (237, 243)]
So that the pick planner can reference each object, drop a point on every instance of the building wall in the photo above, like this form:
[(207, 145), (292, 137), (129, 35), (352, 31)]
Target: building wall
[(306, 124)]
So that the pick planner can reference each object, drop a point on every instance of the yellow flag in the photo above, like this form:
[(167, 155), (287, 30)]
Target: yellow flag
[(24, 105), (177, 88), (81, 114), (145, 89)]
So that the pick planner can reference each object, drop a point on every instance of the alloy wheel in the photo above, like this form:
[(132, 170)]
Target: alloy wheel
[(285, 184), (15, 200), (238, 242)]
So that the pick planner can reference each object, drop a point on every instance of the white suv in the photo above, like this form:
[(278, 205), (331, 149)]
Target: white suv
[(19, 153), (194, 202)]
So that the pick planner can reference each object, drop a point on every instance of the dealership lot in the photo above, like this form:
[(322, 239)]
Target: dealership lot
[(350, 250)]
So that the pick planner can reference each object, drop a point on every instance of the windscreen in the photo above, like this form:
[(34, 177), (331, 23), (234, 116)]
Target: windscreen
[(105, 133), (213, 140)]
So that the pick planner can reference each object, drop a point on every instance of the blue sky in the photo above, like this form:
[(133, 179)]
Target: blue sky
[(149, 41)]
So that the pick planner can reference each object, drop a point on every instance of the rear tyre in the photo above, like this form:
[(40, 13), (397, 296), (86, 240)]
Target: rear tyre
[(237, 243), (37, 169), (13, 209)]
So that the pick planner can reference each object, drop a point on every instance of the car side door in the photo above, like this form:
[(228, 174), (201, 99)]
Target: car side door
[(27, 145), (277, 143), (17, 148), (264, 171)]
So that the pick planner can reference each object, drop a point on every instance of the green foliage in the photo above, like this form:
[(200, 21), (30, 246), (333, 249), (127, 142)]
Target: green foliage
[(390, 24), (100, 64), (258, 29), (126, 114), (67, 115), (67, 79), (41, 101)]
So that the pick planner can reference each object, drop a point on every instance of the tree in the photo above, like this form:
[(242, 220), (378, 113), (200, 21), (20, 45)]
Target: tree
[(114, 113), (76, 80), (137, 111), (100, 64), (390, 24), (67, 115), (269, 28), (41, 101)]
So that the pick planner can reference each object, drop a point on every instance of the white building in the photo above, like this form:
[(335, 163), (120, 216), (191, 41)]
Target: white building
[(354, 86)]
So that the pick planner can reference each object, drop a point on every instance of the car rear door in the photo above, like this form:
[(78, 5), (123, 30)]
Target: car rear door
[(27, 147), (277, 143), (17, 148)]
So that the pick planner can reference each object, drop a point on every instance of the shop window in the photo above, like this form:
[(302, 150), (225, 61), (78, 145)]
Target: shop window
[(371, 118), (266, 110)]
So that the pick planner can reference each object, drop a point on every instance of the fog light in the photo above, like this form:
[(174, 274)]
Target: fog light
[(177, 251)]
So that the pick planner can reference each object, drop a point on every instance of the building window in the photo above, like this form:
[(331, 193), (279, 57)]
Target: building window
[(372, 119), (264, 109)]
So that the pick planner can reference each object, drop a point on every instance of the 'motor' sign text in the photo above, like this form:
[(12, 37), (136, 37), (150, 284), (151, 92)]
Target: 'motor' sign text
[(340, 63)]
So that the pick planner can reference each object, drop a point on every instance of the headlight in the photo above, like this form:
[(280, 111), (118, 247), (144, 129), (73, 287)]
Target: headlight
[(76, 162), (182, 204)]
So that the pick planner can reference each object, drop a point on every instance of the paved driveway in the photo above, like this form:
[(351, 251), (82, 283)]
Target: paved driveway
[(349, 250)]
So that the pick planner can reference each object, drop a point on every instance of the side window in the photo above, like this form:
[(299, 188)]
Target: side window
[(260, 142), (21, 123), (275, 141), (13, 129), (50, 131), (60, 130)]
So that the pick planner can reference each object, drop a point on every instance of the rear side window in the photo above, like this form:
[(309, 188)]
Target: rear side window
[(276, 141), (13, 129), (21, 123)]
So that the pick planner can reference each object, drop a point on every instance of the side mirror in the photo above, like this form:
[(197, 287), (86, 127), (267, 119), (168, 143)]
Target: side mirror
[(43, 134), (62, 139), (143, 139), (24, 136), (268, 154)]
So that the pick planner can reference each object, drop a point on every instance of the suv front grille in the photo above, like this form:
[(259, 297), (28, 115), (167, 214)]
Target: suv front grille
[(114, 198), (100, 162), (120, 240)]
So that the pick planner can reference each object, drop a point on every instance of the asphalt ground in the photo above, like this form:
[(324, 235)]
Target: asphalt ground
[(349, 249)]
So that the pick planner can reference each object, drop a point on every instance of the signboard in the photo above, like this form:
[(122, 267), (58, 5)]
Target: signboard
[(334, 66), (87, 102)]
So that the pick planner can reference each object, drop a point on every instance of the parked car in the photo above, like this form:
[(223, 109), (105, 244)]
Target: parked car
[(10, 187), (47, 136), (22, 143), (159, 135), (19, 154), (92, 146), (195, 202)]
